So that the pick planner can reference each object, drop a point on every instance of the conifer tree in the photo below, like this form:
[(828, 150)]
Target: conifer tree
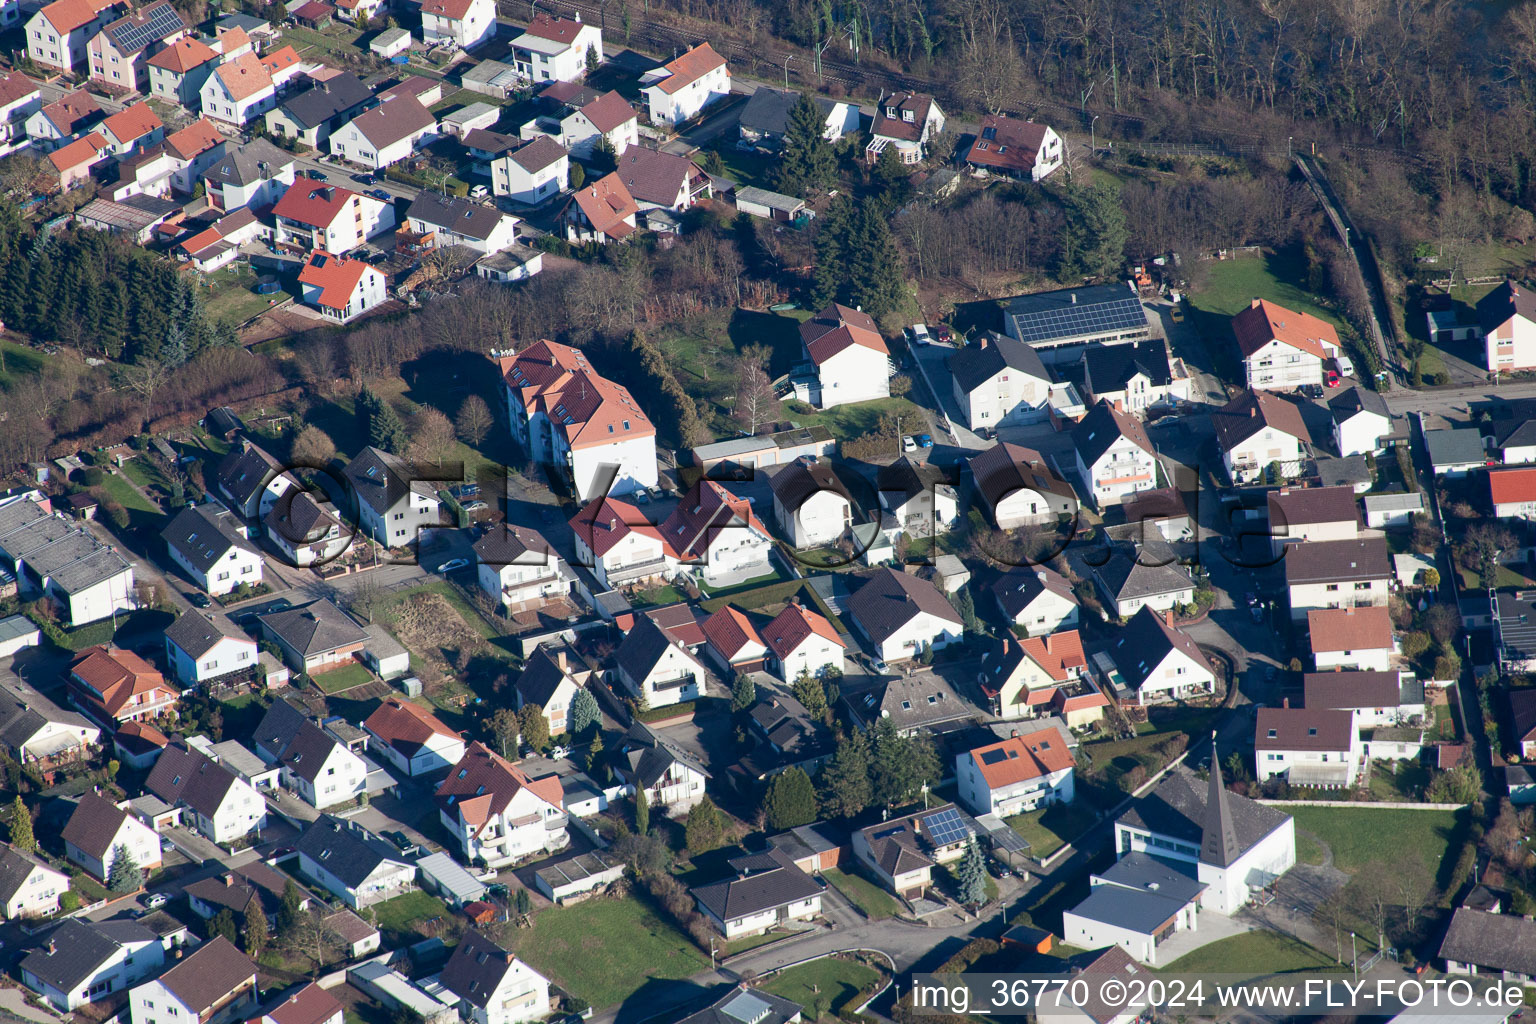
[(22, 836), (971, 876), (642, 811), (845, 790), (124, 874), (807, 163), (790, 800), (255, 929)]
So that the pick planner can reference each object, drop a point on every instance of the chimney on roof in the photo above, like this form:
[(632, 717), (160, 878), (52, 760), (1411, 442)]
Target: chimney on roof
[(560, 658), (1285, 702), (984, 341), (578, 17), (229, 878), (1013, 734), (1074, 298), (1255, 303), (1253, 410), (1168, 616)]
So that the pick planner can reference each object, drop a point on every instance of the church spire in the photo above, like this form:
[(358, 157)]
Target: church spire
[(1218, 840)]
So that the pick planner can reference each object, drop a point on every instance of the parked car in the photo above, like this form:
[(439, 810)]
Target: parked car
[(909, 443), (317, 175), (381, 195), (1331, 378), (476, 506), (479, 192), (453, 565), (1177, 315), (199, 599), (364, 178), (943, 335), (1346, 367), (157, 900), (403, 841), (925, 440), (1312, 390), (918, 334)]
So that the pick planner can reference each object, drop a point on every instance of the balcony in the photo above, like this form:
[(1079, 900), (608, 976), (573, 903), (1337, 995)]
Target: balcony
[(629, 572)]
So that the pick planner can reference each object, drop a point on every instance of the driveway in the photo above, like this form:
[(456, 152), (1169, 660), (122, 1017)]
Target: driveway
[(197, 848)]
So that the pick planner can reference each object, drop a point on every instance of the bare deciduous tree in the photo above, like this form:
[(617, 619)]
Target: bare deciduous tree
[(313, 447), (756, 403), (432, 437), (474, 420)]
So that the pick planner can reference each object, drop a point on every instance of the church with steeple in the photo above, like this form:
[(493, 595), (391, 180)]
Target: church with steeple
[(1187, 848), (1235, 846)]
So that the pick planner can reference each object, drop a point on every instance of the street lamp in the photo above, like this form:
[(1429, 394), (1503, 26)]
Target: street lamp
[(787, 59), (1092, 138)]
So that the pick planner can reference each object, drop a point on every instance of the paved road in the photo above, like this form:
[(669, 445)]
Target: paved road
[(1455, 401)]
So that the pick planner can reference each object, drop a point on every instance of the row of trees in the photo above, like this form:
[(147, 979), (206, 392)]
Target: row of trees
[(868, 769)]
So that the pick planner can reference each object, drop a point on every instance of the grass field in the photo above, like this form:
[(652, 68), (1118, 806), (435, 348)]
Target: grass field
[(1278, 276), (343, 678), (1254, 954), (876, 903), (231, 296), (399, 918), (336, 38), (1307, 849), (1377, 838), (17, 362), (604, 950), (823, 986), (1048, 830)]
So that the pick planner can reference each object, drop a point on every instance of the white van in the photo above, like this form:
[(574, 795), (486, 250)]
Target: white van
[(1344, 366)]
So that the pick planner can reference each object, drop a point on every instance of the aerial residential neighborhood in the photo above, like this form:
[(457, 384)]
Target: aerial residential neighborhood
[(678, 514)]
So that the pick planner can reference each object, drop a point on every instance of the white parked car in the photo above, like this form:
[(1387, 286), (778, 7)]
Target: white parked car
[(156, 901), (1346, 368), (559, 752), (918, 333), (909, 443)]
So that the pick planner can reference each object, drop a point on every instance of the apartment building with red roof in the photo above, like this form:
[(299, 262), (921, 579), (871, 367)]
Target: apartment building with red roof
[(1282, 349), (55, 124), (555, 49), (619, 543), (133, 127), (119, 54), (464, 24), (497, 813), (177, 72), (341, 288), (569, 416)]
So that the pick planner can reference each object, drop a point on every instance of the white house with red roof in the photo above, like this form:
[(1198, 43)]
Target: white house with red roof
[(1020, 677), (717, 535), (497, 813), (619, 544), (193, 150), (341, 288), (602, 211), (904, 121), (556, 49), (20, 98), (851, 360), (218, 245), (1282, 349), (1513, 492), (608, 117), (177, 73), (314, 215), (1021, 773), (461, 23), (412, 738), (568, 415), (1015, 148), (53, 125), (73, 163), (59, 34), (133, 127), (1114, 454), (681, 88), (238, 90), (734, 642), (802, 641)]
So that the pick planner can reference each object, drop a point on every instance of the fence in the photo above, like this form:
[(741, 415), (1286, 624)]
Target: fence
[(1386, 805)]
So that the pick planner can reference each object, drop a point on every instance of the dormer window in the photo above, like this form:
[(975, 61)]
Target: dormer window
[(906, 115), (890, 112)]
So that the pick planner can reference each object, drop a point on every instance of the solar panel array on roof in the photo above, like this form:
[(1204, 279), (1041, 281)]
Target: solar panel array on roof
[(945, 827), (746, 1007), (1076, 319), (162, 22)]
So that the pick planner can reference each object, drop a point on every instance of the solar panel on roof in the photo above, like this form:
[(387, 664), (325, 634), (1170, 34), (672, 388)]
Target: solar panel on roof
[(746, 1007), (994, 757), (162, 22), (1074, 319), (945, 827)]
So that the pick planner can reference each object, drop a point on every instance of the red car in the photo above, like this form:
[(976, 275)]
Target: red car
[(1331, 378), (943, 335)]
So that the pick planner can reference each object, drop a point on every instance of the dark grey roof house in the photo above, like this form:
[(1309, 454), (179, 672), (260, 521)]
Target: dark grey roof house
[(743, 1005), (766, 888)]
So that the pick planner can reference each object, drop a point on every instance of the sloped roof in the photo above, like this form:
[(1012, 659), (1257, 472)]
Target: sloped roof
[(396, 119), (643, 647), (203, 535), (588, 409), (1146, 640), (793, 626), (475, 970), (730, 632), (799, 480), (15, 86), (1364, 628), (244, 76), (1102, 427), (1016, 590), (605, 521), (1264, 321), (1492, 942), (1007, 142), (1338, 561), (461, 216), (313, 202), (250, 163), (1508, 486), (1059, 655), (1307, 506), (482, 785), (337, 277), (1504, 303), (93, 826), (916, 103), (346, 850), (183, 55), (542, 677), (70, 112), (405, 726), (652, 176), (315, 628), (688, 68), (888, 600), (382, 481), (609, 111), (1252, 411), (1006, 468), (1303, 729), (132, 122), (1179, 808), (295, 742), (83, 150), (117, 675), (134, 31), (703, 515), (607, 205), (1020, 758), (67, 15), (836, 328), (1143, 570), (763, 882), (1111, 367), (186, 776), (1359, 690), (974, 365), (309, 1005), (647, 755)]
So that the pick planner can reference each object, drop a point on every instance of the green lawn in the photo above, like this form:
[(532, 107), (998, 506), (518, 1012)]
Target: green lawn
[(664, 594), (1252, 953), (1048, 830), (1307, 849), (343, 678), (17, 361), (336, 38), (604, 950), (849, 421), (876, 903), (823, 987), (1398, 782), (122, 492), (1377, 837), (231, 294), (752, 942), (399, 919), (746, 168)]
